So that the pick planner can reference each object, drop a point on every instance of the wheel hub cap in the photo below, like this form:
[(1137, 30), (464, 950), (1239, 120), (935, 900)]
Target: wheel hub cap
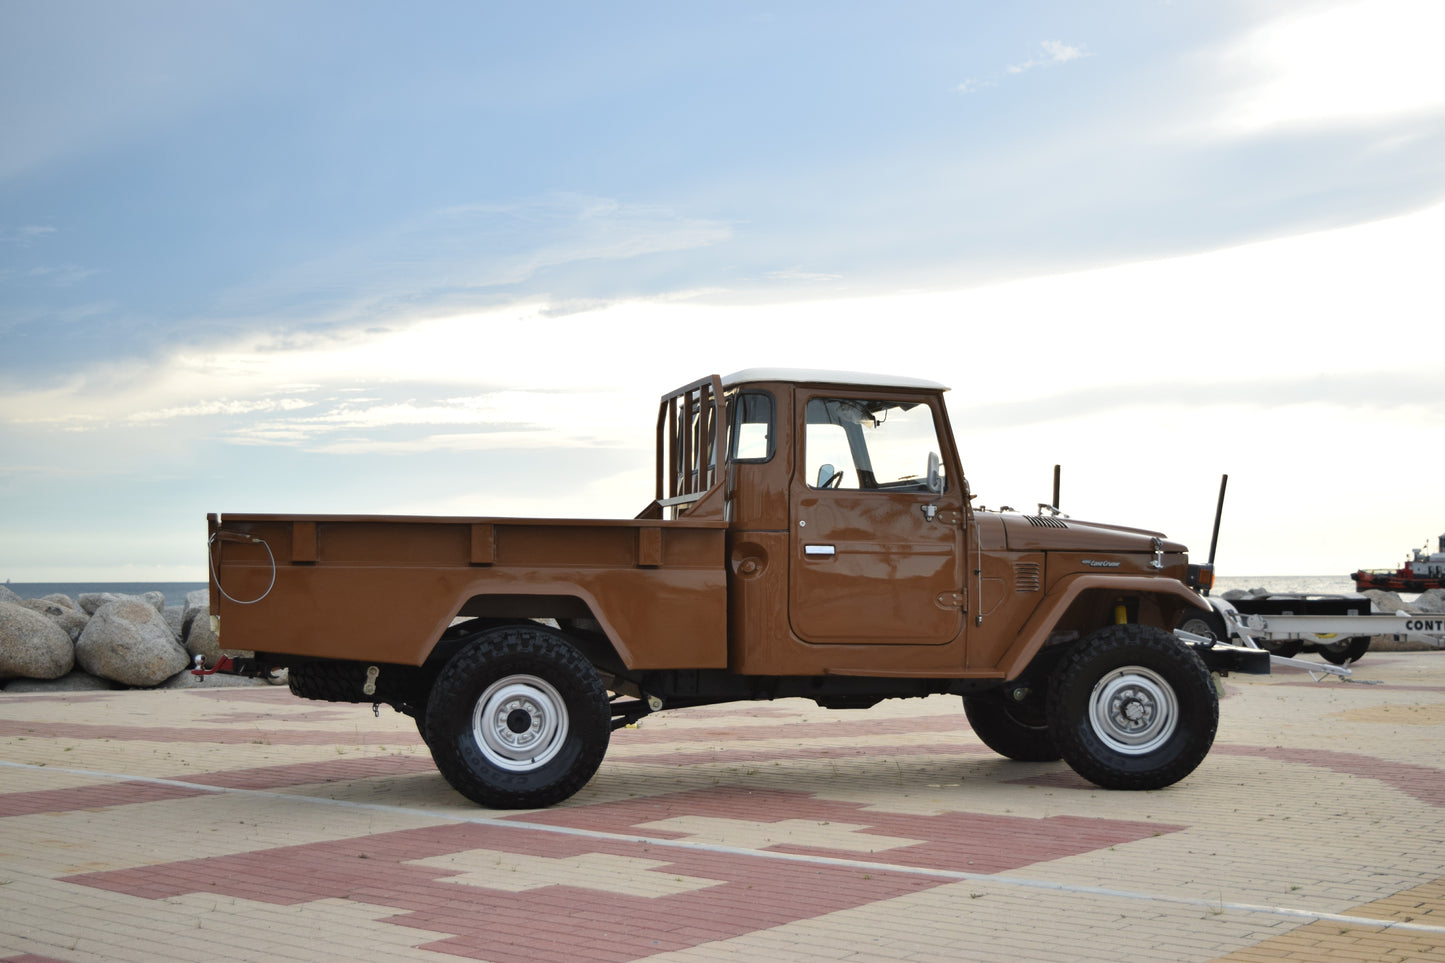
[(520, 722), (1133, 710)]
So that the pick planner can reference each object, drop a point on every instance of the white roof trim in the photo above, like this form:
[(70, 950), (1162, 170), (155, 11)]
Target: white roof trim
[(817, 376)]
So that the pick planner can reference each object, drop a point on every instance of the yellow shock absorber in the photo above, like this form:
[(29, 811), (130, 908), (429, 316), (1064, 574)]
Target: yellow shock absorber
[(1121, 614)]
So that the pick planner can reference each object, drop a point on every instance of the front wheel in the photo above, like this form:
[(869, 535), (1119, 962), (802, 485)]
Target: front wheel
[(518, 719), (1131, 708)]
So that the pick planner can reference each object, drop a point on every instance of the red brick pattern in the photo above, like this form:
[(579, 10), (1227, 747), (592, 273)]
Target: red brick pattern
[(89, 797), (1424, 783), (967, 842), (751, 893), (533, 925), (263, 777), (226, 735)]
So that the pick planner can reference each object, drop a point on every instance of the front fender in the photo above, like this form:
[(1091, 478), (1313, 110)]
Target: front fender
[(1069, 589)]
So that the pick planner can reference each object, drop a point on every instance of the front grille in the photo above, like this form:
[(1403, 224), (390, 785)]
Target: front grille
[(1046, 521), (1027, 577)]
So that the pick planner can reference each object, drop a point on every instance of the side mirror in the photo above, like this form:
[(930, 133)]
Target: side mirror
[(935, 473), (825, 475)]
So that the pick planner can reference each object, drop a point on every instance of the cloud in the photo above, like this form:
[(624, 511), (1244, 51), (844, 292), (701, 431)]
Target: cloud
[(457, 257), (1055, 53), (1351, 63), (798, 274), (1380, 393), (973, 85), (225, 408), (54, 276), (391, 424), (26, 235)]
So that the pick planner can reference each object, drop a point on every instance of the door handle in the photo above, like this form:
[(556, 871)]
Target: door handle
[(819, 551)]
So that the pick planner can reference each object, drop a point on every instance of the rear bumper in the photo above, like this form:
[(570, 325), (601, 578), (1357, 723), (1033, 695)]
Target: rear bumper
[(1231, 658)]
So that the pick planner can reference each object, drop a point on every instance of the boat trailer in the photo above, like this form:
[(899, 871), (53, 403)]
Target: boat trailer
[(1289, 621)]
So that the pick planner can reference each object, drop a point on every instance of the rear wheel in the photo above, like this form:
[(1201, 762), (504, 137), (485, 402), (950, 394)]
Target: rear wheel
[(518, 719), (1015, 730), (330, 681), (1131, 708)]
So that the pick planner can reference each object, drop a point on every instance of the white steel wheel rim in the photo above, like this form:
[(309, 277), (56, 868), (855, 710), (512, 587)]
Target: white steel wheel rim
[(520, 723), (1133, 710), (1199, 626)]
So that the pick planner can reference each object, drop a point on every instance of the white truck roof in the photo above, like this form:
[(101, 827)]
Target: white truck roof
[(819, 376)]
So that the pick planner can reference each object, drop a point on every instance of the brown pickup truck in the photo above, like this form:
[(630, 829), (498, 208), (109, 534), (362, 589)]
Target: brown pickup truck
[(812, 536)]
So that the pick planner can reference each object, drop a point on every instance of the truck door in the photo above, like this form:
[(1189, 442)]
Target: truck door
[(876, 541)]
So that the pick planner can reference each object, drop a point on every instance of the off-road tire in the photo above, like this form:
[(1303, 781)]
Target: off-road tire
[(1018, 731), (1130, 707), (346, 681), (1344, 651), (518, 719)]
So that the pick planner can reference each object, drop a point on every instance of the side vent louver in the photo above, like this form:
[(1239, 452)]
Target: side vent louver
[(1026, 577), (1046, 521)]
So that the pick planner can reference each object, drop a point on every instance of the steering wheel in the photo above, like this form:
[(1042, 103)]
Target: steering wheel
[(835, 481)]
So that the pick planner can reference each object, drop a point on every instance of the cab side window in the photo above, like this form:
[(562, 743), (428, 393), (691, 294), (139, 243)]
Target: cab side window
[(750, 427), (871, 444)]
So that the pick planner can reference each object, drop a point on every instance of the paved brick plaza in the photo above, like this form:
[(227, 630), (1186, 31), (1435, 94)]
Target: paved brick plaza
[(244, 824)]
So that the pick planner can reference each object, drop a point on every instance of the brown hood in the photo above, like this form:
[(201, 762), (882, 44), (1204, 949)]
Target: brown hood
[(1035, 533)]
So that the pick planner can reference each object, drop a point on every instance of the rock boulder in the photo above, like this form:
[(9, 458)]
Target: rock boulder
[(32, 646), (71, 618), (74, 682), (200, 639), (1387, 602), (128, 641), (1431, 602), (92, 601)]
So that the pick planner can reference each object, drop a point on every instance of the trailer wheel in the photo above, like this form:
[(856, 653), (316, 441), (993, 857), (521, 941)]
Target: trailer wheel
[(1016, 731), (518, 719), (1285, 648), (1200, 622), (1130, 707), (1344, 651)]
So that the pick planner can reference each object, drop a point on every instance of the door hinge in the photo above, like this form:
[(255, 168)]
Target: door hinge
[(950, 600)]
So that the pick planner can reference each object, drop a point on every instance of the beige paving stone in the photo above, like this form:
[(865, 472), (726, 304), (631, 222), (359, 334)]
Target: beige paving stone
[(121, 837)]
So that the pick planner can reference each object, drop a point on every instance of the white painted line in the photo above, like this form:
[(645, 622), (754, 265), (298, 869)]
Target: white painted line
[(1213, 907)]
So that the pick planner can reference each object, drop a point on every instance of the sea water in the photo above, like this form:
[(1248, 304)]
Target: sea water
[(175, 592), (1297, 584)]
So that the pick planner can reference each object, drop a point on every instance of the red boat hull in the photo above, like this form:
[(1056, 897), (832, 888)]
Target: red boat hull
[(1401, 581)]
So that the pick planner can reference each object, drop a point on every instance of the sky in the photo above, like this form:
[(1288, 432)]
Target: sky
[(444, 258)]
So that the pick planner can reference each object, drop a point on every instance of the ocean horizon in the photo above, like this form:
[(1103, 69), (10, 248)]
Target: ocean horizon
[(175, 592)]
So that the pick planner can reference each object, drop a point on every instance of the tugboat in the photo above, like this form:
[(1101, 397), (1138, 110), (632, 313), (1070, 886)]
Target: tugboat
[(1421, 573)]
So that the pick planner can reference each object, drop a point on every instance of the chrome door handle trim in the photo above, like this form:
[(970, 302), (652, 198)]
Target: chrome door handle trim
[(819, 551)]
